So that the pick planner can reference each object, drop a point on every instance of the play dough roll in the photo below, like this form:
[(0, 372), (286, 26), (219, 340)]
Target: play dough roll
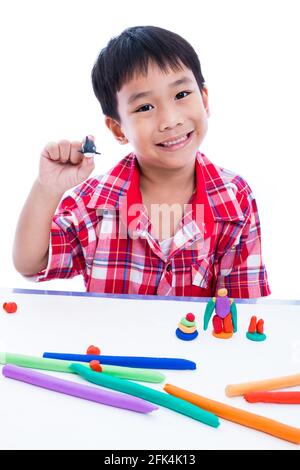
[(251, 420), (273, 397), (143, 375), (77, 390), (173, 363), (268, 384), (147, 393)]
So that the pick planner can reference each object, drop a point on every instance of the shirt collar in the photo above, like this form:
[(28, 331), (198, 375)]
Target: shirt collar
[(216, 195), (218, 192)]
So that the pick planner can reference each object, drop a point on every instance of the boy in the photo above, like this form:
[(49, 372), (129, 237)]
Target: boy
[(165, 220)]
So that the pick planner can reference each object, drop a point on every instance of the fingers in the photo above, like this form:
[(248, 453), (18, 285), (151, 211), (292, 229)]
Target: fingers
[(64, 147), (51, 151), (75, 155), (64, 151)]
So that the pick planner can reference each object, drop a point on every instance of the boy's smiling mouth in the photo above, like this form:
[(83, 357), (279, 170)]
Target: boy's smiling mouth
[(175, 143)]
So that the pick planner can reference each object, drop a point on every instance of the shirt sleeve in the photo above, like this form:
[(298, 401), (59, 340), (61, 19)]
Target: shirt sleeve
[(66, 258), (241, 269)]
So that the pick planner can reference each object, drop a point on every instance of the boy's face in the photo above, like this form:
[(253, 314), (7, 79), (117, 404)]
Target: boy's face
[(163, 116)]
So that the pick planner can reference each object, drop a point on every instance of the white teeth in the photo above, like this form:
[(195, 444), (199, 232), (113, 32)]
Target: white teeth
[(173, 142)]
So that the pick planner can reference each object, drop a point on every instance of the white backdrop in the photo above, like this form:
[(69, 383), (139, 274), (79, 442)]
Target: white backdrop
[(249, 52)]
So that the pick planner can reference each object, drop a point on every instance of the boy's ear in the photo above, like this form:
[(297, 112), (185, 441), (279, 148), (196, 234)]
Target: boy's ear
[(116, 129), (204, 94)]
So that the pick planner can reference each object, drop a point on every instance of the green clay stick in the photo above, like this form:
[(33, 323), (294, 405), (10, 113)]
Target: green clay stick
[(147, 393), (34, 362), (144, 375)]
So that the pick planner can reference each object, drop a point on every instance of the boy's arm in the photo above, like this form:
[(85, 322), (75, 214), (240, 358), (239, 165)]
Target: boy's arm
[(241, 269), (30, 251), (62, 167)]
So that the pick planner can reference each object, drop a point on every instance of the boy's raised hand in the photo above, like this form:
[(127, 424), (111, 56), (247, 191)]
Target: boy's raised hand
[(62, 166)]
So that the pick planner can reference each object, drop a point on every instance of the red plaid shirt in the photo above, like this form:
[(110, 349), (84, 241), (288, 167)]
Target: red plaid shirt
[(94, 233)]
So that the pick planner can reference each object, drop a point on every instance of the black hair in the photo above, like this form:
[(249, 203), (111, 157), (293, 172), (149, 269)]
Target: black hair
[(130, 53)]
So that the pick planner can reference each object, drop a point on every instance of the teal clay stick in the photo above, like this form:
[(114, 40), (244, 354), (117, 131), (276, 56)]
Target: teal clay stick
[(147, 393), (144, 375)]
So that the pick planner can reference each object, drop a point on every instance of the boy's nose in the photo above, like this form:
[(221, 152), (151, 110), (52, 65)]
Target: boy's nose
[(170, 121)]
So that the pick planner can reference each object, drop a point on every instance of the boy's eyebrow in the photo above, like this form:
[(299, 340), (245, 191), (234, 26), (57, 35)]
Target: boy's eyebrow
[(144, 94)]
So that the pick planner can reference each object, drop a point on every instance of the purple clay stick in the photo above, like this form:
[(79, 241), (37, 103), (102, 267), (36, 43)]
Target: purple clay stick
[(118, 400)]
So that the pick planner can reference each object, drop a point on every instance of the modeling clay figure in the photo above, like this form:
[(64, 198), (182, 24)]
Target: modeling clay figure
[(225, 318), (89, 148)]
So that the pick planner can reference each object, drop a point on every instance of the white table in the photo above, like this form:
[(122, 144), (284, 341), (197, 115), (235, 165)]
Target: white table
[(35, 418)]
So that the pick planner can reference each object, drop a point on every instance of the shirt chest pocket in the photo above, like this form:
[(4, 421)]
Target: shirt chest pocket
[(202, 273)]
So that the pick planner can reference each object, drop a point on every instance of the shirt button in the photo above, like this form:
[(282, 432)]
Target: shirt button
[(168, 267)]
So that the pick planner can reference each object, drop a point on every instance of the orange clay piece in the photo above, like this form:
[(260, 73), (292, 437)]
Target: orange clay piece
[(260, 327), (234, 390), (251, 420), (222, 335), (273, 397), (252, 325), (187, 329), (95, 365), (10, 307)]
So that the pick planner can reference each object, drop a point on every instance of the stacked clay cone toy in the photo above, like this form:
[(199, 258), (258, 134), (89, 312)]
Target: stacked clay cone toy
[(187, 329), (256, 330)]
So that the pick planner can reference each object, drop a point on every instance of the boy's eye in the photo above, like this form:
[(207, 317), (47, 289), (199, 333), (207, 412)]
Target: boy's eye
[(145, 107), (148, 107), (182, 94)]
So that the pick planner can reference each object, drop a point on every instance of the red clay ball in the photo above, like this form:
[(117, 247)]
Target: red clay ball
[(95, 365), (190, 317), (10, 307), (93, 350)]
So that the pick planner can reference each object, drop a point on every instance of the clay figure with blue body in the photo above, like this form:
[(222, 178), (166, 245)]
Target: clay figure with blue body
[(88, 147)]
